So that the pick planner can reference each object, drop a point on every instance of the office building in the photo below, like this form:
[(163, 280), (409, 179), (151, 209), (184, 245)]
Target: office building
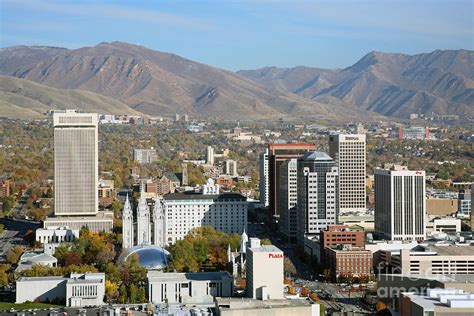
[(288, 200), (264, 183), (400, 208), (264, 271), (434, 258), (75, 163), (414, 133), (464, 203), (76, 196), (277, 154), (339, 235), (78, 290), (230, 168), (318, 203), (348, 261), (210, 156), (143, 156), (188, 288), (350, 155)]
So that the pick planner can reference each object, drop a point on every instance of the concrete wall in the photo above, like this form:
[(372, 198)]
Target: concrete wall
[(44, 290)]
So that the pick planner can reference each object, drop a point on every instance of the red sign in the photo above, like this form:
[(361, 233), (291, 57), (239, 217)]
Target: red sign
[(418, 172), (275, 255)]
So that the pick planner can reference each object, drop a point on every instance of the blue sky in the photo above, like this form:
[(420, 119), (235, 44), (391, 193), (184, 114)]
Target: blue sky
[(246, 34)]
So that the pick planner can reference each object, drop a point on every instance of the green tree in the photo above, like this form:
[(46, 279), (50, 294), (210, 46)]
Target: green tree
[(123, 298), (133, 294), (141, 295)]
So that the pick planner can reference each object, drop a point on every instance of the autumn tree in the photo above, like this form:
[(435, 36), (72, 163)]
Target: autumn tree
[(14, 254)]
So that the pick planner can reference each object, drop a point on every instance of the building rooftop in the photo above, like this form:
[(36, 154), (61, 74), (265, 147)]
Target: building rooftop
[(452, 250), (199, 196), (316, 155), (192, 276), (247, 303), (266, 248), (102, 215)]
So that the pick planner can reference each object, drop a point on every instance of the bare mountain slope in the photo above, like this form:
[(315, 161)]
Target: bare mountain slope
[(20, 98), (159, 83), (390, 84)]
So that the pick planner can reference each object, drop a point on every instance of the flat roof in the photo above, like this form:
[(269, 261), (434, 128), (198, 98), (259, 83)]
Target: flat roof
[(190, 276), (452, 250), (267, 248), (198, 196), (248, 303)]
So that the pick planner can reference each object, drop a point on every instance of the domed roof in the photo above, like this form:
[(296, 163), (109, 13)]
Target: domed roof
[(150, 257)]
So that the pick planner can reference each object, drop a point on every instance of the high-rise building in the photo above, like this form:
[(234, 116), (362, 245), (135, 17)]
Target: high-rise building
[(288, 200), (277, 154), (75, 163), (264, 184), (142, 156), (400, 209), (350, 154), (318, 194), (210, 155), (231, 168)]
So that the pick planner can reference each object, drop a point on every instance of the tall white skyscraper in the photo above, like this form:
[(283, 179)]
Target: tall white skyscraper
[(349, 152), (127, 225), (231, 168), (318, 202), (75, 163), (264, 184), (288, 200), (210, 155), (400, 207), (143, 219)]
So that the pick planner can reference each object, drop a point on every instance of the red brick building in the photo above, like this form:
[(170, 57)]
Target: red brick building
[(349, 262), (338, 235)]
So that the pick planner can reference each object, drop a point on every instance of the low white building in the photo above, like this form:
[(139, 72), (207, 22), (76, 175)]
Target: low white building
[(56, 235), (28, 259), (188, 288), (264, 271), (78, 290), (447, 225)]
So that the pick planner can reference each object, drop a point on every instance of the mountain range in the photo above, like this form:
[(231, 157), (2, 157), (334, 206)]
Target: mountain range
[(394, 85), (126, 78)]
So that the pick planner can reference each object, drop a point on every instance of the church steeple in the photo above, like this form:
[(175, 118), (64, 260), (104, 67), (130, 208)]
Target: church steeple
[(243, 242), (127, 225)]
